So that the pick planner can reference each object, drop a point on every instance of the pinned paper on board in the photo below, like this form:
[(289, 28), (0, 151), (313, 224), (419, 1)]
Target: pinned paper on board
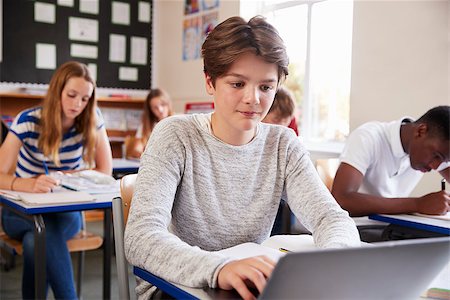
[(45, 56), (44, 12)]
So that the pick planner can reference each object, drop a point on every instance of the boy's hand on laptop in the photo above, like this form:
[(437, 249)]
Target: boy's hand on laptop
[(253, 270), (437, 203)]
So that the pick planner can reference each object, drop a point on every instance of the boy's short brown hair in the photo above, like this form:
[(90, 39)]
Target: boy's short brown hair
[(235, 36)]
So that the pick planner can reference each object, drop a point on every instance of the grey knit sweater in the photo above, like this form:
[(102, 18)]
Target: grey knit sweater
[(195, 195)]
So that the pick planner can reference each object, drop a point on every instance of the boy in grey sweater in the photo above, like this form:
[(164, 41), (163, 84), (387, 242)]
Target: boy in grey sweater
[(209, 182)]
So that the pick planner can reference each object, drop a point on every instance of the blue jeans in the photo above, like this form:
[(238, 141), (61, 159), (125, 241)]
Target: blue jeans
[(59, 227)]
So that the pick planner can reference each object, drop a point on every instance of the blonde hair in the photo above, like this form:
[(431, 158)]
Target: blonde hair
[(51, 125), (149, 119)]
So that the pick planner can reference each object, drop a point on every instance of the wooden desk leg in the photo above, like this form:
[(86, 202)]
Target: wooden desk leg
[(40, 276), (107, 241)]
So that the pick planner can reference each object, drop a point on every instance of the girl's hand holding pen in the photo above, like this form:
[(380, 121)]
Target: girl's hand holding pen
[(43, 184)]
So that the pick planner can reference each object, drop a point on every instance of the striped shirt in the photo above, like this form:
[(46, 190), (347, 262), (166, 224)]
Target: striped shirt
[(30, 159)]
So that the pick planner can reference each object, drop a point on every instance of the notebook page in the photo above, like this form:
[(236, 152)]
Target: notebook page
[(58, 197), (246, 250)]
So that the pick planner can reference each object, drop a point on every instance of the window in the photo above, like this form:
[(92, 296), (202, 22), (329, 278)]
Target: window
[(318, 37)]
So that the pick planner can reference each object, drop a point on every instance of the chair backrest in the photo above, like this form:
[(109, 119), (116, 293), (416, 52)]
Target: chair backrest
[(126, 192), (121, 207), (327, 168)]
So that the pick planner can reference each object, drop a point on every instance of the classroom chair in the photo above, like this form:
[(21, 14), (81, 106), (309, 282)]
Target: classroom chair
[(327, 167), (81, 242), (121, 207)]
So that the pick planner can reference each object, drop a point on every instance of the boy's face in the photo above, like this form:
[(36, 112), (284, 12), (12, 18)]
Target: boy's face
[(242, 96), (427, 152)]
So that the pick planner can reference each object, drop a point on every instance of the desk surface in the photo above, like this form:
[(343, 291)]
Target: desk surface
[(418, 222), (102, 201), (125, 165)]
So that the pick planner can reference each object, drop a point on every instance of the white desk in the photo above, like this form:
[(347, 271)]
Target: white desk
[(104, 201)]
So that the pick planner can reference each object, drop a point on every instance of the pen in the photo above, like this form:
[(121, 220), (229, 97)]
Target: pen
[(45, 167), (46, 171), (443, 184), (284, 250)]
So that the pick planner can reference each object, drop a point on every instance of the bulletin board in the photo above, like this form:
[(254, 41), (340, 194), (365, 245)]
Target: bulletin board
[(114, 38)]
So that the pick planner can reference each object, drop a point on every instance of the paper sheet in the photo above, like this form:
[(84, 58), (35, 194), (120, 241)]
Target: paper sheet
[(59, 196)]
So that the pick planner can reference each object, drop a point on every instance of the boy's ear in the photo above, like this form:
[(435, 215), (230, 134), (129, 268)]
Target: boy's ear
[(421, 130), (209, 84)]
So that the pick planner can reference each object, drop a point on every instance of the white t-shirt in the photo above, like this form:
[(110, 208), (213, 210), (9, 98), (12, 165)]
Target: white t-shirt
[(375, 149)]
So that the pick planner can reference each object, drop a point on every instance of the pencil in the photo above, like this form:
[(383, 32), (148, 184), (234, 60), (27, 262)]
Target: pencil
[(284, 250)]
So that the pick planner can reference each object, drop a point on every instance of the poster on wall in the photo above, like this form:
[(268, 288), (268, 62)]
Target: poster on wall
[(191, 38), (191, 7), (209, 21), (197, 24), (210, 4)]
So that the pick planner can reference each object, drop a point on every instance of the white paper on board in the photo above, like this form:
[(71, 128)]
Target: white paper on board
[(45, 12), (138, 55), (128, 74), (120, 13), (144, 9), (82, 29), (68, 3), (117, 48), (86, 51), (45, 56), (89, 6), (93, 70)]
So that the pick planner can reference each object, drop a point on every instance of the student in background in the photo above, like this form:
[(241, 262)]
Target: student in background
[(281, 113), (383, 162), (213, 181), (65, 134), (157, 106), (283, 108)]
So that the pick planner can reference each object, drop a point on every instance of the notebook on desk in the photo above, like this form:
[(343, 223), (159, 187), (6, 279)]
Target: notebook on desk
[(387, 270), (59, 197)]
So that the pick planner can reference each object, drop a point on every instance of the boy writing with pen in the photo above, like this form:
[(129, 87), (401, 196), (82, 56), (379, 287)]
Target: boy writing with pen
[(64, 134), (212, 181), (382, 163)]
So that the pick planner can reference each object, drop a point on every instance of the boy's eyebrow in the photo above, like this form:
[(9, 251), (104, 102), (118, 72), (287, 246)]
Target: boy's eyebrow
[(246, 78)]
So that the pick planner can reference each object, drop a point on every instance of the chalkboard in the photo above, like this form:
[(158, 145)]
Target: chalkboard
[(21, 33)]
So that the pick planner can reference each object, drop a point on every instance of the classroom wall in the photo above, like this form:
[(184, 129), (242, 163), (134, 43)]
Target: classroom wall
[(400, 63), (182, 79)]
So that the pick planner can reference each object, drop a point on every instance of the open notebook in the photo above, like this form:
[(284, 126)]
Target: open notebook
[(59, 196), (89, 181)]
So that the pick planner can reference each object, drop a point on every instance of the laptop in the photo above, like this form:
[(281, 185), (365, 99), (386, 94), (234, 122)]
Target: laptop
[(386, 270)]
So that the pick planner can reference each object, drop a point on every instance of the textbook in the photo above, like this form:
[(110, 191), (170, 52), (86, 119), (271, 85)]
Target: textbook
[(89, 181), (59, 196)]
